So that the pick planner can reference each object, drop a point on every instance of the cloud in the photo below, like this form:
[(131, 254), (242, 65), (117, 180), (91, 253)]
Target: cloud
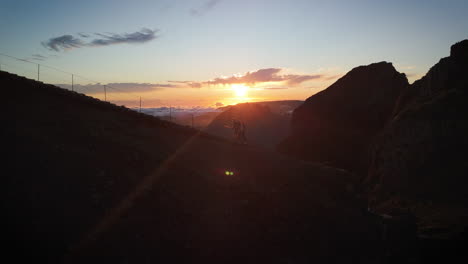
[(140, 86), (68, 42), (252, 78), (219, 104), (275, 88), (117, 87), (65, 42), (334, 77), (265, 75), (205, 7), (187, 84), (165, 111), (298, 79), (84, 35), (38, 57), (141, 36)]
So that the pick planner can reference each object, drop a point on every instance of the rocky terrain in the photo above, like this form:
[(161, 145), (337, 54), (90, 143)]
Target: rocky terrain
[(405, 142), (418, 160), (337, 125)]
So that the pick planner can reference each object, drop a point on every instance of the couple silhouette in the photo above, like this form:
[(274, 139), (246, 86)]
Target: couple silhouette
[(239, 131)]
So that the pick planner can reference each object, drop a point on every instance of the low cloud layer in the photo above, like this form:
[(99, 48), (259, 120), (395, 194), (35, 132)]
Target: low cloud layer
[(68, 42), (187, 84), (177, 111), (205, 7), (275, 88)]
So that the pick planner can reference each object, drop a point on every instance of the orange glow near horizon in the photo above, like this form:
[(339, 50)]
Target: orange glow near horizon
[(240, 90), (216, 92), (213, 95)]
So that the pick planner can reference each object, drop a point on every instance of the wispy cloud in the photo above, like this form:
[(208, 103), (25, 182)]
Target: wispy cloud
[(84, 35), (334, 77), (141, 36), (68, 42), (205, 7), (275, 88), (188, 84), (258, 78), (65, 42), (265, 75), (38, 57), (298, 79)]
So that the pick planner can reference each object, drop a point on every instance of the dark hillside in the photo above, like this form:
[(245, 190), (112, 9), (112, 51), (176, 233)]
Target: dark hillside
[(92, 182), (337, 125), (419, 160), (73, 157)]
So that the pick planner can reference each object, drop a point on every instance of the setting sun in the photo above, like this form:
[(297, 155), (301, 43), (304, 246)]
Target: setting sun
[(240, 90)]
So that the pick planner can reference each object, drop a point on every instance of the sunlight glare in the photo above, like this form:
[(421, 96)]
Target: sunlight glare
[(240, 90)]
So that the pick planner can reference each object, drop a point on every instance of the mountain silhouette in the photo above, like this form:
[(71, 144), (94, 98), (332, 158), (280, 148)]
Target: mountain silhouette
[(336, 125), (92, 182), (419, 159)]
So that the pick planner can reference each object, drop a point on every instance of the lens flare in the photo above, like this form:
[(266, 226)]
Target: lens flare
[(229, 173), (240, 90)]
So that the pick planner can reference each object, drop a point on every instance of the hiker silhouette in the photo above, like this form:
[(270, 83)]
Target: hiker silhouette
[(239, 131), (241, 138)]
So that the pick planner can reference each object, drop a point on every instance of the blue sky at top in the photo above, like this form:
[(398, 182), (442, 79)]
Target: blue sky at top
[(199, 40)]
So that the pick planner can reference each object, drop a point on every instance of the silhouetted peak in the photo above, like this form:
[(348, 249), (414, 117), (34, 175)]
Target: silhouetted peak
[(375, 67), (459, 50), (336, 125), (371, 78)]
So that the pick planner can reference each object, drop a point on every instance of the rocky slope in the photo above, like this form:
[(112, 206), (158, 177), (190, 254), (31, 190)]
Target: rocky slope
[(418, 161), (336, 125)]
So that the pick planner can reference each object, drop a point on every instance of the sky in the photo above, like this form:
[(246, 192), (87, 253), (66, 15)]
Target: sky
[(219, 52)]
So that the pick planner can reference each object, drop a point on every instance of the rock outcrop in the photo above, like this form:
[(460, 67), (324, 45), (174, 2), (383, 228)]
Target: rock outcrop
[(336, 125), (419, 157)]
